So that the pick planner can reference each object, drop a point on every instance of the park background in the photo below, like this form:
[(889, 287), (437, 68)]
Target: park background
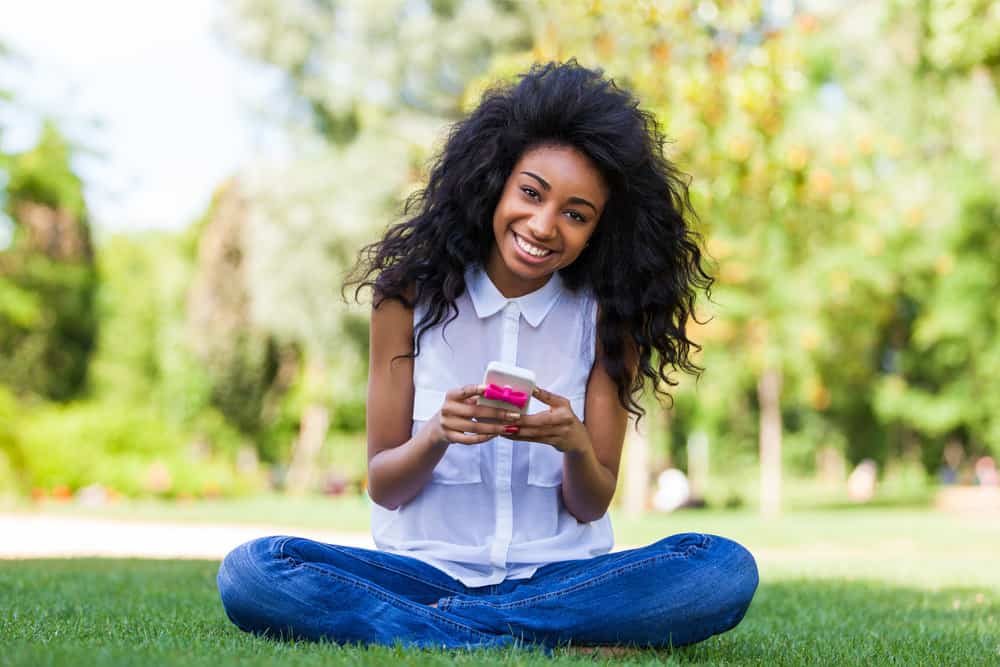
[(844, 162)]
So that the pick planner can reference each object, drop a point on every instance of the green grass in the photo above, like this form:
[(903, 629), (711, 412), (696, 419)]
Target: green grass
[(860, 586)]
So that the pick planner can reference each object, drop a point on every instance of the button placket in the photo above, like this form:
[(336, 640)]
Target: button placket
[(504, 450)]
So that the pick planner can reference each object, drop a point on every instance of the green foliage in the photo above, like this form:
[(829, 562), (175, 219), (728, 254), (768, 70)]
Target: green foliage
[(47, 328), (144, 352), (20, 308), (127, 447), (241, 381), (946, 379), (44, 175), (10, 443), (47, 279), (130, 305), (960, 34), (280, 427)]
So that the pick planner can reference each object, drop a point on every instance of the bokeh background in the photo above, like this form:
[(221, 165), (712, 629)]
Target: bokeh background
[(184, 186)]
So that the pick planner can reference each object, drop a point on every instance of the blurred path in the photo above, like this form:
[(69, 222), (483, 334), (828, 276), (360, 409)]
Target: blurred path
[(41, 536), (50, 536)]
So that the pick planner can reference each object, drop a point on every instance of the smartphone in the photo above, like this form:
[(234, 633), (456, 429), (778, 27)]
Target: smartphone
[(508, 387)]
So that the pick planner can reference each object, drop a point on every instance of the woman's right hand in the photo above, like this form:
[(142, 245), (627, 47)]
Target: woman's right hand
[(454, 421)]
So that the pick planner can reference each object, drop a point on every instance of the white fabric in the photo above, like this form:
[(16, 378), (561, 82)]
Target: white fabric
[(494, 511)]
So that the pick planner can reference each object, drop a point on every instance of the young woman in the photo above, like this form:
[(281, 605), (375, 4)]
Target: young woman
[(552, 235)]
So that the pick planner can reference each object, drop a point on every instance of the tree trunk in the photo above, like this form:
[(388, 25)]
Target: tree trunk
[(769, 400), (303, 473), (636, 468)]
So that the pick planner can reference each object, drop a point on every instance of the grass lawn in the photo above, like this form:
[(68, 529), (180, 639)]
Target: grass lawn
[(859, 586)]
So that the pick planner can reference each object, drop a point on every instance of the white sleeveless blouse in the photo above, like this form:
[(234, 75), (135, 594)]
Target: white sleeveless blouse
[(494, 511)]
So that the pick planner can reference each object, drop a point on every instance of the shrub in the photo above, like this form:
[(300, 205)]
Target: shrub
[(128, 448)]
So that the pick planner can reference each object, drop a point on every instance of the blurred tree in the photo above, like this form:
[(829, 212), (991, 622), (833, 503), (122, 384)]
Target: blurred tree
[(940, 355), (945, 376), (305, 223), (18, 307), (341, 62), (144, 375), (957, 36), (47, 276), (6, 98), (241, 361), (143, 356), (145, 405)]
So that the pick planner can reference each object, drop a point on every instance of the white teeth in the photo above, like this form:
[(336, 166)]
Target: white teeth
[(532, 250)]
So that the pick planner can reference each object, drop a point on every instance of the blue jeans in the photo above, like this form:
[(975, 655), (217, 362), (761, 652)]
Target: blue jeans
[(679, 590)]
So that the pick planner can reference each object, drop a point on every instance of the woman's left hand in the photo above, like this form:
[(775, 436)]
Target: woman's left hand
[(557, 426)]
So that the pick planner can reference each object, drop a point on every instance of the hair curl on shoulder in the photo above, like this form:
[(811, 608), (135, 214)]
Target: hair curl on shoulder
[(643, 262)]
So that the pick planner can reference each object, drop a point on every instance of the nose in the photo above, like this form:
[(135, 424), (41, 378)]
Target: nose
[(543, 226)]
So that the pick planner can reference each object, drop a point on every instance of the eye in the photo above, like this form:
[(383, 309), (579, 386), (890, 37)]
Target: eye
[(532, 193), (576, 216)]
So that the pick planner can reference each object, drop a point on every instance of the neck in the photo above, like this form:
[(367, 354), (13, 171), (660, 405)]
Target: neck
[(509, 283)]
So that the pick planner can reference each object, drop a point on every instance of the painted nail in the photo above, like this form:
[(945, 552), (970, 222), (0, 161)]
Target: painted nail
[(512, 416), (511, 429)]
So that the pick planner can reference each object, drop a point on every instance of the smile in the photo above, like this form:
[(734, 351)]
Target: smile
[(529, 248)]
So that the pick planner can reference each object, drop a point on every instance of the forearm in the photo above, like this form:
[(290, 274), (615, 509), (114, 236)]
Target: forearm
[(587, 486), (397, 475)]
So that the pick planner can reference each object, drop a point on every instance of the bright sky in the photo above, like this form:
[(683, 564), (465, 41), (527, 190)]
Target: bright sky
[(172, 105)]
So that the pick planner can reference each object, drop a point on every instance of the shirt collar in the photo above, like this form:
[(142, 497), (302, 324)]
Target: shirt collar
[(488, 300)]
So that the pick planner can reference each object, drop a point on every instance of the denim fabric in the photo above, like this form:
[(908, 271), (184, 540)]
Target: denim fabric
[(679, 590)]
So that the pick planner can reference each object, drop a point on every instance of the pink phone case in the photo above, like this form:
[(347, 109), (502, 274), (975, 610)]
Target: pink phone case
[(507, 387)]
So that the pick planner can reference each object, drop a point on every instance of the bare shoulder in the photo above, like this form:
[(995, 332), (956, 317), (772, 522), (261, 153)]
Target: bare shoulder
[(391, 319)]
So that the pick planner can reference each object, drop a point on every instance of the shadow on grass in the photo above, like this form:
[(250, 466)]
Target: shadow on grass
[(103, 612)]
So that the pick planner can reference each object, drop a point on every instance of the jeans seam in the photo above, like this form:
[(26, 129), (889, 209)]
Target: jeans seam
[(388, 568), (279, 548), (590, 582), (427, 612), (563, 579)]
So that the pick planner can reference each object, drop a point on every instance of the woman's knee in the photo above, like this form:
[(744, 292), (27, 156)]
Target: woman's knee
[(248, 560), (737, 566), (728, 556), (741, 576), (243, 579)]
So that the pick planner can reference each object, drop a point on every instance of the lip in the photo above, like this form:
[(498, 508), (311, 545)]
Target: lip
[(525, 257)]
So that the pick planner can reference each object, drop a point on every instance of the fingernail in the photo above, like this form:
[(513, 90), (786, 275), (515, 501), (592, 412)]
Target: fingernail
[(513, 415), (511, 429)]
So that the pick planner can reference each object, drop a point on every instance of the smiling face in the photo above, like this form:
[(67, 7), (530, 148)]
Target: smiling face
[(547, 212)]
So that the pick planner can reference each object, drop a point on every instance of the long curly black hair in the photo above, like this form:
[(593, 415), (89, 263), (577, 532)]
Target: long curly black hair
[(643, 261)]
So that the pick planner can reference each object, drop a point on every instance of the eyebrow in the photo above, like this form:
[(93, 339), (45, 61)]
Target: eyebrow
[(546, 186)]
